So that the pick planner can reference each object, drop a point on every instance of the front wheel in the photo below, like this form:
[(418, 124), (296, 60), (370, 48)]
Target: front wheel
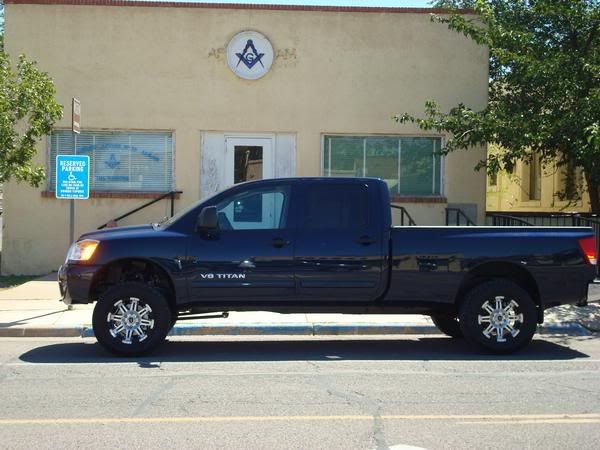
[(498, 316), (131, 319)]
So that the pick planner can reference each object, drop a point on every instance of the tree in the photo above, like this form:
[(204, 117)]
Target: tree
[(28, 111), (544, 92)]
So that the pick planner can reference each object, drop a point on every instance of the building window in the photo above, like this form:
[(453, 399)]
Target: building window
[(123, 161), (534, 168), (569, 182), (409, 165)]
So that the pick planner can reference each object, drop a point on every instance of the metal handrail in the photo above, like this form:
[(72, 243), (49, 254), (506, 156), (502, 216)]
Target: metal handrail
[(170, 194), (459, 213), (508, 219), (403, 213)]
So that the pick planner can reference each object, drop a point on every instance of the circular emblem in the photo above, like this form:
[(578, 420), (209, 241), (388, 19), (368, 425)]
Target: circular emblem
[(250, 55)]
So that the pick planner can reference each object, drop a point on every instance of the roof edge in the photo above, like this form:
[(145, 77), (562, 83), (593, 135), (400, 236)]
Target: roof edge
[(252, 6)]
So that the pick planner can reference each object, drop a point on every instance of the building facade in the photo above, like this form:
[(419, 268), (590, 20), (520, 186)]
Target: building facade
[(197, 97), (538, 188)]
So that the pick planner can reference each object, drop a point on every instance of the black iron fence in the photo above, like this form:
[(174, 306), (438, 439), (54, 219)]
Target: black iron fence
[(456, 216), (545, 220)]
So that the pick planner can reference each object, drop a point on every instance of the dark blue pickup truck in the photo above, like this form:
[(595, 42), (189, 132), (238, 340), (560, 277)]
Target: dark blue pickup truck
[(323, 245)]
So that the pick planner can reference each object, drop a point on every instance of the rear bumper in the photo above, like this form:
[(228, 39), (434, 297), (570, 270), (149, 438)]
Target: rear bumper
[(595, 299), (74, 282)]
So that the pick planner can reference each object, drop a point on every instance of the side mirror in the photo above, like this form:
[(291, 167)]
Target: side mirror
[(207, 219)]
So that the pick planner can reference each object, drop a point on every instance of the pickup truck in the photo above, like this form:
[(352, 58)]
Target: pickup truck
[(326, 245)]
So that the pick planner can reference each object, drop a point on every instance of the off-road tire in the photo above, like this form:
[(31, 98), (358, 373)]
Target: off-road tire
[(159, 315), (475, 311)]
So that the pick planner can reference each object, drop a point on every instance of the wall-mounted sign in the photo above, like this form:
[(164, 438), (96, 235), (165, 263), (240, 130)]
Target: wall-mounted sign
[(73, 176), (250, 55), (76, 116)]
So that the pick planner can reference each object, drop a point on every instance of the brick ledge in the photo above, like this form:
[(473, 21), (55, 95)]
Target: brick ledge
[(253, 6), (418, 199), (111, 194)]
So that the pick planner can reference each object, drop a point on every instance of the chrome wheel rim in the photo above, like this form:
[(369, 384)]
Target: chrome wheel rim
[(500, 318), (130, 319)]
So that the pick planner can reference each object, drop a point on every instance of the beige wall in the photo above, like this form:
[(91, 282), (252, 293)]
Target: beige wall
[(164, 68)]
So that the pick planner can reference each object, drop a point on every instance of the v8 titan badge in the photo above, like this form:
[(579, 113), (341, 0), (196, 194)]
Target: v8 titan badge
[(250, 55)]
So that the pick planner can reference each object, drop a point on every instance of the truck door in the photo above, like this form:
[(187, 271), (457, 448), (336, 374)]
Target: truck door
[(250, 256), (340, 243)]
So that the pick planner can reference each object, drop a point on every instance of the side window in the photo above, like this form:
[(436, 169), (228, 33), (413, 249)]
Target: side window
[(256, 209), (341, 206)]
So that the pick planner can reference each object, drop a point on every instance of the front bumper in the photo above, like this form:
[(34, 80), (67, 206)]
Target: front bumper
[(75, 281)]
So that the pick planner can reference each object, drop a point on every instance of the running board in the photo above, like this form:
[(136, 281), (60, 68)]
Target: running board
[(194, 316)]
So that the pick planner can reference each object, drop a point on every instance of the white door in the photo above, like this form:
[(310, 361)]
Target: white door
[(248, 159)]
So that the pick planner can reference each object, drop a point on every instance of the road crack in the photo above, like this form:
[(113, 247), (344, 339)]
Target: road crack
[(153, 396)]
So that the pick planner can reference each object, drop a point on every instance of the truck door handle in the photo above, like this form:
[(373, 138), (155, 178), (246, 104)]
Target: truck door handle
[(280, 242), (365, 240)]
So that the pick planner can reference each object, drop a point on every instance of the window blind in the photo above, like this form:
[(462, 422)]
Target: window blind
[(127, 161)]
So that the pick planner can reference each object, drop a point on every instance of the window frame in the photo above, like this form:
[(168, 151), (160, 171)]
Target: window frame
[(49, 186), (441, 137)]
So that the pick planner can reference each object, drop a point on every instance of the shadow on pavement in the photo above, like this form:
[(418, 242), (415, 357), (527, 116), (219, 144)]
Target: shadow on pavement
[(424, 349)]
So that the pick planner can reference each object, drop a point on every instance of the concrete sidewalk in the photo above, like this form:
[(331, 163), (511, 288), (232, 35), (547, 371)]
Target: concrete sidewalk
[(33, 310)]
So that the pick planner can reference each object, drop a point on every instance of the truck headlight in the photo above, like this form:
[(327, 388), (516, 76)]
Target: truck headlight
[(82, 250)]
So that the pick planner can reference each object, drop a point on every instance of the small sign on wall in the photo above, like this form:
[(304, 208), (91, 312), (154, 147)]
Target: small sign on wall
[(76, 116), (250, 55)]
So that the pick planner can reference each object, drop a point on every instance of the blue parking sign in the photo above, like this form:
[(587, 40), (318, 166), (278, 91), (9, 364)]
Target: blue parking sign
[(73, 176)]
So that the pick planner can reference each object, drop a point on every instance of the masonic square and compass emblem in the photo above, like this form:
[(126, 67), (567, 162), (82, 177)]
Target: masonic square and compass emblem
[(250, 55)]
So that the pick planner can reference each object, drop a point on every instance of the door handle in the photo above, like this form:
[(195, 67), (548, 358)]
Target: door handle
[(279, 242), (365, 240)]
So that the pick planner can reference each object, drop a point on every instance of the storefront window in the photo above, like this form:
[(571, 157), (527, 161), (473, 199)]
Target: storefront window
[(125, 161), (409, 165)]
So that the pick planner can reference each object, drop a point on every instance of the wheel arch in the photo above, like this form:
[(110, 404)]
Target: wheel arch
[(501, 270), (133, 269)]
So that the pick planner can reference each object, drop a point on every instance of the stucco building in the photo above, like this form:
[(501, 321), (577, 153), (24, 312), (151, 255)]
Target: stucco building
[(537, 188), (196, 97)]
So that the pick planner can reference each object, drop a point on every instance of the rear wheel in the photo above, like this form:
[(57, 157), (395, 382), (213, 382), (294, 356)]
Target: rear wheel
[(448, 325), (498, 316), (131, 319)]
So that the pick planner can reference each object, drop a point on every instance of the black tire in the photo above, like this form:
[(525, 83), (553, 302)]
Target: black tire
[(515, 315), (153, 323), (448, 325)]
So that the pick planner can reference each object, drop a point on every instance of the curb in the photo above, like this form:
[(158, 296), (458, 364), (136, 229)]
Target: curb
[(288, 329)]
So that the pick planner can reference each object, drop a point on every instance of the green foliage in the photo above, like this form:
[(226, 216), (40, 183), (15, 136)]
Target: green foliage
[(544, 93), (28, 110)]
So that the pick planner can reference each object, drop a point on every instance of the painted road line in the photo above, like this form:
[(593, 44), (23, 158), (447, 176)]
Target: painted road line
[(531, 422), (519, 418)]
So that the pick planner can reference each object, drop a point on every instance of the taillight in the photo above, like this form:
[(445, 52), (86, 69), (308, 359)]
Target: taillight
[(589, 249)]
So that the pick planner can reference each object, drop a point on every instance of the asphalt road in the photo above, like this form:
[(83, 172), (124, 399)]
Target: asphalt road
[(351, 393)]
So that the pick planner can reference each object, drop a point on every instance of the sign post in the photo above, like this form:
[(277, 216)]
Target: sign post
[(73, 172)]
